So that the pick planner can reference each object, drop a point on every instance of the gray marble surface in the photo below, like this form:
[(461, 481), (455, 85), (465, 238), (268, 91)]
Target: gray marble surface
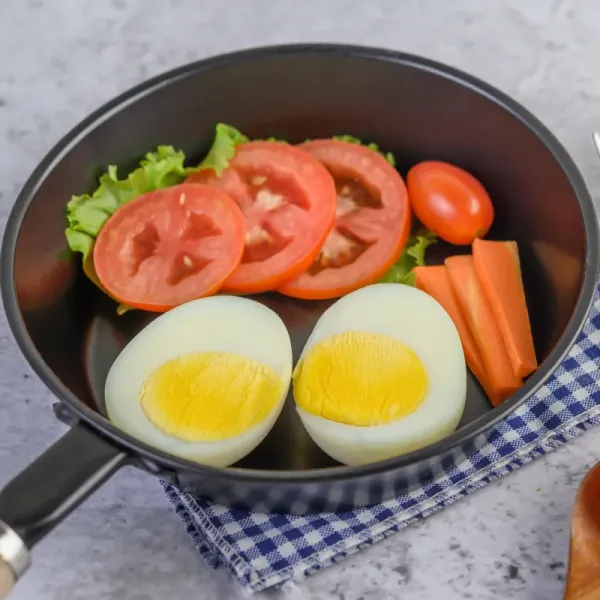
[(62, 58)]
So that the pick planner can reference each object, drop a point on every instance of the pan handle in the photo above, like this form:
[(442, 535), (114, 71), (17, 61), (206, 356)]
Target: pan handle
[(46, 492)]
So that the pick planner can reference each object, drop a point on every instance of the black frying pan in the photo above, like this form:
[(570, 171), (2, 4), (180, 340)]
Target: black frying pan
[(413, 107)]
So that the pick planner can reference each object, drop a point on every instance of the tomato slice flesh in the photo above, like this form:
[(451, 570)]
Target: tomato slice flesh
[(372, 222), (170, 246), (288, 200)]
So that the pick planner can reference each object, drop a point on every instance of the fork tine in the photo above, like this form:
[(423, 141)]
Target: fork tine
[(596, 137)]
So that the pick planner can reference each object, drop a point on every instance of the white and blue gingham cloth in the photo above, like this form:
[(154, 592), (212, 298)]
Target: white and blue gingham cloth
[(264, 550)]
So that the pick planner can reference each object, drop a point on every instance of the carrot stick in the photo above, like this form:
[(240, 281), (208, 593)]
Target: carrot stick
[(482, 323), (499, 270), (434, 281)]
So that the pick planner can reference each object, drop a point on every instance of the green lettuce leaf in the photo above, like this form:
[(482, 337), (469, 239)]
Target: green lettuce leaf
[(222, 149), (272, 139), (372, 146), (413, 256)]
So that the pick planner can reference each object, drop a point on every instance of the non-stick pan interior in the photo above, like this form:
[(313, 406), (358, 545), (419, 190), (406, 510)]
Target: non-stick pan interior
[(408, 108)]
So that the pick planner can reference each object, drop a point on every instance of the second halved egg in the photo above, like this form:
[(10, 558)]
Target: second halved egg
[(382, 374)]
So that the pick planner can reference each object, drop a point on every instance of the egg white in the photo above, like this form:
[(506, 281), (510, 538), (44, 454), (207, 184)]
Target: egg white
[(417, 320), (217, 323)]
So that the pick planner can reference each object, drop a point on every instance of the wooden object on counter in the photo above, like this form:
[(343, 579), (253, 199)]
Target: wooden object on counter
[(583, 576)]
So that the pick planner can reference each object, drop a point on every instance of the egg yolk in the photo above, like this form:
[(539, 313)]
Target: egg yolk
[(209, 396), (360, 379)]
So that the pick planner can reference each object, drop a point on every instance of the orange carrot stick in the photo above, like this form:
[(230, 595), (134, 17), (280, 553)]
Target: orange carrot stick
[(480, 317), (434, 281), (499, 270)]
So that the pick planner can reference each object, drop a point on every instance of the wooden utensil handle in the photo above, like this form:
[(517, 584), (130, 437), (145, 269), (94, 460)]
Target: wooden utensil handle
[(7, 578)]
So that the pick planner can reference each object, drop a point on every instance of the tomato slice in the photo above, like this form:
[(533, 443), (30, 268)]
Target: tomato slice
[(372, 222), (170, 246), (288, 199)]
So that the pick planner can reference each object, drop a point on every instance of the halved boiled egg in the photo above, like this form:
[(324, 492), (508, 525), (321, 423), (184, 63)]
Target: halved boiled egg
[(382, 374), (205, 381)]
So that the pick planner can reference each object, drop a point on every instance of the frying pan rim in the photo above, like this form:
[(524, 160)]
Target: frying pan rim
[(469, 432)]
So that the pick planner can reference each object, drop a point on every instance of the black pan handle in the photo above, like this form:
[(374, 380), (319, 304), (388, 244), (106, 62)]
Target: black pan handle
[(46, 492)]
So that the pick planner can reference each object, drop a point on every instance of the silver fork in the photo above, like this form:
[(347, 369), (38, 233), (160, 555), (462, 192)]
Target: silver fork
[(596, 137)]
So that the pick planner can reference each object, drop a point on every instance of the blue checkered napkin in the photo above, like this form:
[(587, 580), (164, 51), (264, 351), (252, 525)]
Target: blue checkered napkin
[(263, 550)]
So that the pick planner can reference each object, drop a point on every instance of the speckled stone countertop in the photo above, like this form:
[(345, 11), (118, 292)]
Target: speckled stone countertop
[(62, 58)]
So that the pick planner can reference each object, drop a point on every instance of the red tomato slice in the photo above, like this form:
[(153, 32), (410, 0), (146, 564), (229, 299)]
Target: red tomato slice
[(288, 200), (170, 246), (372, 222)]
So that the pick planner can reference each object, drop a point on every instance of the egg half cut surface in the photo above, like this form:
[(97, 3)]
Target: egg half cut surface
[(205, 381), (382, 374)]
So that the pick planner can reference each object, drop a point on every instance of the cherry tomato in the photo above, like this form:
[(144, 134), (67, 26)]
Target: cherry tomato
[(170, 246), (450, 202), (288, 200), (371, 227)]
